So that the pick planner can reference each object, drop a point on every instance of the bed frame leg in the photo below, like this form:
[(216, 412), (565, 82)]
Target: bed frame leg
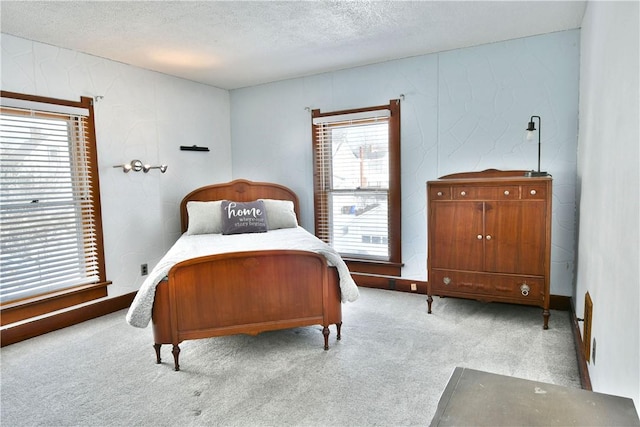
[(157, 349), (325, 332), (338, 328), (176, 353)]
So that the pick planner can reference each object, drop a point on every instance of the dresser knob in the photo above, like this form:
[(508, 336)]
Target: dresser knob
[(463, 193), (506, 192), (439, 193), (479, 236), (446, 280), (533, 192), (524, 289), (488, 236)]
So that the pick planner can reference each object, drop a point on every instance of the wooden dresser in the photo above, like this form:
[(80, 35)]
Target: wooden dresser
[(490, 238)]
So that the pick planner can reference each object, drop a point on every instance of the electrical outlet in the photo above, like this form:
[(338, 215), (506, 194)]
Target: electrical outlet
[(593, 352), (144, 270), (414, 287)]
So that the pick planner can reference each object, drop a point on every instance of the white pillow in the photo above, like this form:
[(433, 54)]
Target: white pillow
[(204, 217), (280, 214)]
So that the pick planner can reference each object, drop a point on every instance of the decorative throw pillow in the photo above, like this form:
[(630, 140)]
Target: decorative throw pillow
[(204, 217), (243, 217), (280, 214)]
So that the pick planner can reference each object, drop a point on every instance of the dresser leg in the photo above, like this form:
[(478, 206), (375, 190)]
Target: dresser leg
[(545, 316), (429, 301)]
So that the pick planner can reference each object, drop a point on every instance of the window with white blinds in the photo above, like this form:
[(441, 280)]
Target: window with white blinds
[(356, 181), (50, 231)]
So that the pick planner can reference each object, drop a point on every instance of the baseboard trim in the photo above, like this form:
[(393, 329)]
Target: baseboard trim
[(583, 368), (11, 334)]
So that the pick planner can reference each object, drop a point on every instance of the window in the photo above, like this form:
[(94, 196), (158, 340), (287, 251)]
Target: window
[(357, 181), (51, 232)]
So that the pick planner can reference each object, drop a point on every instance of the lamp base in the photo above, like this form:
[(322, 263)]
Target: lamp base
[(531, 174)]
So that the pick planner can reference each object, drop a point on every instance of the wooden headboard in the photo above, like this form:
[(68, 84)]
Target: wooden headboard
[(239, 190)]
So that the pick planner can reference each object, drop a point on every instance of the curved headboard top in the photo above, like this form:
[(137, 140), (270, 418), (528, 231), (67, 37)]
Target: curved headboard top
[(239, 190)]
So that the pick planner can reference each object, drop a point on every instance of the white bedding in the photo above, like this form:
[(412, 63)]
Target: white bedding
[(193, 246)]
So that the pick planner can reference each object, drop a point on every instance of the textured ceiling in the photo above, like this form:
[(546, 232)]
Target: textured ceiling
[(233, 44)]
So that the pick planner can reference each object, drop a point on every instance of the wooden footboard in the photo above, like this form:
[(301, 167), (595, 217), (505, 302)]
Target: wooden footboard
[(245, 293)]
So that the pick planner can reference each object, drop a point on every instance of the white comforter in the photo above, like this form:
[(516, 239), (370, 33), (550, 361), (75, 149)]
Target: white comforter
[(193, 246)]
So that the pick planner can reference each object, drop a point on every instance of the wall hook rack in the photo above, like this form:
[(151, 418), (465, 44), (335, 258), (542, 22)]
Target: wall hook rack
[(137, 166), (193, 148)]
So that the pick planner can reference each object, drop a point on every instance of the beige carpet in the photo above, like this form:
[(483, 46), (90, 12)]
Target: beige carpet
[(389, 369)]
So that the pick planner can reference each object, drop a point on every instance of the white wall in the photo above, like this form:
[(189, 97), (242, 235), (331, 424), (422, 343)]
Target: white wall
[(463, 110), (144, 115), (609, 188)]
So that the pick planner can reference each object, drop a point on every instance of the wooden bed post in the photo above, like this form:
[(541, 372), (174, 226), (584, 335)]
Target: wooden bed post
[(326, 332), (173, 311), (157, 349)]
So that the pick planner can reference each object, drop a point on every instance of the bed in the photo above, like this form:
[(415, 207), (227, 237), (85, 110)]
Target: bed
[(213, 283)]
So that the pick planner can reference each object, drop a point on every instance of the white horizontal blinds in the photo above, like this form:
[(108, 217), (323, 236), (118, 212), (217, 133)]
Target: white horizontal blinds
[(48, 229), (322, 183), (352, 154)]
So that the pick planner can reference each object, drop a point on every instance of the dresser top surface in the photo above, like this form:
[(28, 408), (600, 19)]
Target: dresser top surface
[(491, 181), (491, 176)]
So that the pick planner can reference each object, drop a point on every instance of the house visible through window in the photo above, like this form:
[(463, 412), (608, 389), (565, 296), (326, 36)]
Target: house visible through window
[(50, 227), (357, 181)]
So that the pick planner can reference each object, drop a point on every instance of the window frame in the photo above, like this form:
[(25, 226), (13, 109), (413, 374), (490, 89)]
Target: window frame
[(25, 308), (364, 264)]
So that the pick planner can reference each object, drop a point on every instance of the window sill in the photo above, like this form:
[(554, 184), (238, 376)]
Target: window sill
[(386, 268), (12, 312)]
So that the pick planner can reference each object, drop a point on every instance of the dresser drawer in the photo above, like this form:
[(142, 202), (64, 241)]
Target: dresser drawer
[(503, 192), (464, 192), (440, 193), (492, 287), (534, 191)]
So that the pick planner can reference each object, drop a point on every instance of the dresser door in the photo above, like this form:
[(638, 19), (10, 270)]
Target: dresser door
[(515, 237), (457, 239)]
